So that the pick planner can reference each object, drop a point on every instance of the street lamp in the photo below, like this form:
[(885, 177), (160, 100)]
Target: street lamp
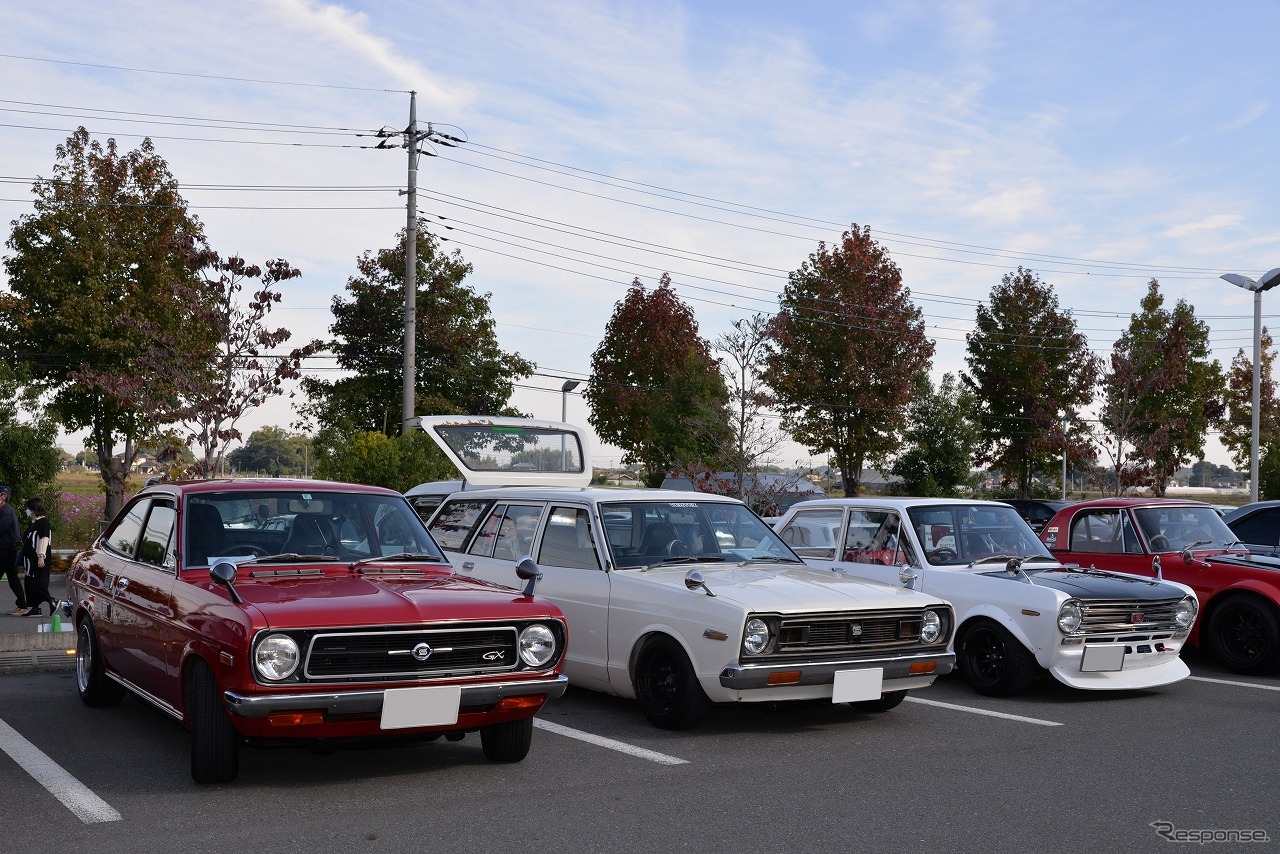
[(569, 385), (1268, 281)]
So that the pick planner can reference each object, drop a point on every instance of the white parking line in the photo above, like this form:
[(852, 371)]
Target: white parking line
[(986, 712), (601, 741), (75, 796), (1238, 684)]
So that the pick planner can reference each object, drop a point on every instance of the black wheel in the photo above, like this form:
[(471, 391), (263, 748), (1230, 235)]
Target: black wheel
[(667, 687), (1245, 635), (92, 683), (942, 555), (215, 744), (888, 700), (993, 661), (507, 742)]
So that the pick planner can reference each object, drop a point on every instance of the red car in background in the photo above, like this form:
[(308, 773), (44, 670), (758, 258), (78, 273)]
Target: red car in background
[(1187, 542), (268, 612)]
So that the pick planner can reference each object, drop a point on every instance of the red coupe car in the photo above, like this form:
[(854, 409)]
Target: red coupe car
[(1184, 541)]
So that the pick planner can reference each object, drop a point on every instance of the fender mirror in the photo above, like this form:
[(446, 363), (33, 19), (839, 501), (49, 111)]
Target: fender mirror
[(224, 572), (694, 581)]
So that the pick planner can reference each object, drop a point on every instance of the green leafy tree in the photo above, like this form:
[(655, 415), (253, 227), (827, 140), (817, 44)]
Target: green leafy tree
[(1176, 389), (93, 267), (846, 349), (460, 367), (1032, 373), (1236, 426), (941, 438), (374, 458), (1269, 470), (655, 389), (275, 452), (29, 457)]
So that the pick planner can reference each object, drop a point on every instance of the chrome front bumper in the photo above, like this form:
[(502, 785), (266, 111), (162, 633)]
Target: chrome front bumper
[(745, 677), (370, 702)]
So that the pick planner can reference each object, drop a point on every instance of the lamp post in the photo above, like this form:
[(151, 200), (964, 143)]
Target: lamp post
[(569, 385), (1268, 281)]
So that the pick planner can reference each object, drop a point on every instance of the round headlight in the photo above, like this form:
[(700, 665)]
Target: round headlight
[(1185, 614), (537, 645), (756, 638), (1070, 616), (276, 657), (931, 628)]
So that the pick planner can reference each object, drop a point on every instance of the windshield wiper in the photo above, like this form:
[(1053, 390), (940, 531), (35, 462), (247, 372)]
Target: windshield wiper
[(674, 559), (285, 558), (394, 557), (769, 559)]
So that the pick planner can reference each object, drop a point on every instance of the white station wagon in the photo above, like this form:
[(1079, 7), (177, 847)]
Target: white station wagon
[(1020, 611), (678, 599)]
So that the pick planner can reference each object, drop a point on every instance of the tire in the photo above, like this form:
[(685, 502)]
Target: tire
[(993, 661), (215, 744), (92, 683), (1244, 634), (507, 742), (667, 687), (888, 700)]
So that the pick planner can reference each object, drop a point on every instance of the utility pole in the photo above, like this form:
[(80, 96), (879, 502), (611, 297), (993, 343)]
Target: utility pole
[(411, 140)]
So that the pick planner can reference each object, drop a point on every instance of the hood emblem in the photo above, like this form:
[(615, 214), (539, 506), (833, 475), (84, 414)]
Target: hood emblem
[(494, 655), (421, 652), (1138, 617), (855, 630)]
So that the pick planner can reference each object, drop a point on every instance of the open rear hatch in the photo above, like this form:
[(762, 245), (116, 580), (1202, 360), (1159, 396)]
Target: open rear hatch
[(511, 451)]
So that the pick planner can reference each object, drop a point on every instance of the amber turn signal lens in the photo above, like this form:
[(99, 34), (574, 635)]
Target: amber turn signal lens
[(295, 718), (786, 677), (924, 666), (524, 701)]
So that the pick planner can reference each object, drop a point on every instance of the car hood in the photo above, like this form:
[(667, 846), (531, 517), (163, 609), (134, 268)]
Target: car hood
[(1253, 561), (347, 599), (1092, 584), (785, 589)]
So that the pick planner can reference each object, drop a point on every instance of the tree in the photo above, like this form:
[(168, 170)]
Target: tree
[(29, 457), (460, 368), (1032, 372), (1236, 426), (395, 462), (1174, 389), (274, 452), (846, 349), (95, 263), (655, 390), (941, 437), (753, 439)]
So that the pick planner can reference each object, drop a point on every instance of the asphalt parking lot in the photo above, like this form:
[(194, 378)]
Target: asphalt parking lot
[(1055, 769)]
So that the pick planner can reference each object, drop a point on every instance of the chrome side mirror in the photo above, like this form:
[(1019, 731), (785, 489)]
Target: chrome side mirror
[(908, 577), (527, 570), (1155, 567), (694, 581)]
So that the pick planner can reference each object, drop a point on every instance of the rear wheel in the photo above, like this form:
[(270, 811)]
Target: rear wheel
[(215, 744), (1245, 635), (667, 687), (993, 661), (507, 742), (92, 683), (888, 700)]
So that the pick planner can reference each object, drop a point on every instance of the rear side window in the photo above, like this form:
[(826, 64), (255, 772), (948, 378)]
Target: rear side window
[(453, 524), (1259, 528)]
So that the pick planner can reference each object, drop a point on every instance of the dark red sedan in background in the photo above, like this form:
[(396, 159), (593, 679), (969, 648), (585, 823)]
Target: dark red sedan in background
[(1187, 542), (304, 612)]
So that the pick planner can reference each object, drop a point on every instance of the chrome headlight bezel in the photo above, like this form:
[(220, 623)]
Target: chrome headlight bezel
[(756, 636), (1185, 612), (537, 645), (930, 627), (276, 657), (1071, 617)]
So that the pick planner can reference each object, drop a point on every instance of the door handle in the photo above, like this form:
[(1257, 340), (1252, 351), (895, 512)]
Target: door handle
[(469, 565)]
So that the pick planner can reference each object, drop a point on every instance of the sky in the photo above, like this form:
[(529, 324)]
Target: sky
[(1097, 144)]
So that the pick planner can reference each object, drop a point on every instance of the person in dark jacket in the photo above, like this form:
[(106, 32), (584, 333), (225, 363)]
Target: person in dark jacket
[(10, 539), (37, 552)]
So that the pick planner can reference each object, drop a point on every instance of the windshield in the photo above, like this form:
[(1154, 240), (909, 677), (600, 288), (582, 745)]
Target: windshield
[(956, 534), (341, 526), (649, 532), (1172, 529)]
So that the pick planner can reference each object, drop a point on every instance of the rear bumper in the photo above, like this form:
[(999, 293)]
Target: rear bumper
[(748, 677)]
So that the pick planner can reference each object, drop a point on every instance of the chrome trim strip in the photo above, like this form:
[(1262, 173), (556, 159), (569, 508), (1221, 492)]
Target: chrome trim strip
[(741, 677), (150, 698), (370, 702)]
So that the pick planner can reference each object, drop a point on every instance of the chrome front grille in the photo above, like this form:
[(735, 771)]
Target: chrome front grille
[(439, 652), (861, 633), (1128, 619)]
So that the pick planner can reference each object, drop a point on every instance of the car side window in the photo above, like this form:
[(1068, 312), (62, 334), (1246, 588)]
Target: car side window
[(123, 538), (813, 533), (567, 540), (1259, 528), (453, 524), (156, 546), (1100, 531)]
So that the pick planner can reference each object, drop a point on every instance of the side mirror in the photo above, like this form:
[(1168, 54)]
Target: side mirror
[(1155, 568), (907, 577), (224, 572), (694, 581), (527, 570)]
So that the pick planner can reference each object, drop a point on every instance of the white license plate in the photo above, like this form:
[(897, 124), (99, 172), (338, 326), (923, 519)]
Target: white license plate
[(854, 686), (1102, 657), (412, 707)]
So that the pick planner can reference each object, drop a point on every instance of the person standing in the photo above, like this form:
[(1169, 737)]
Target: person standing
[(37, 552), (10, 539)]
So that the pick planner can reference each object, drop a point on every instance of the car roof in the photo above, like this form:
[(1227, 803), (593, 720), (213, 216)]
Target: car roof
[(894, 502), (1139, 501), (259, 484), (1248, 509), (592, 494)]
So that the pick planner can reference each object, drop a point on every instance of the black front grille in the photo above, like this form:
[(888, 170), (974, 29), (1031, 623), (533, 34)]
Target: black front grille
[(347, 655), (857, 633)]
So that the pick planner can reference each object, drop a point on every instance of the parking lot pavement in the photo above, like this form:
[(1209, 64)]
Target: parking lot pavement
[(933, 775)]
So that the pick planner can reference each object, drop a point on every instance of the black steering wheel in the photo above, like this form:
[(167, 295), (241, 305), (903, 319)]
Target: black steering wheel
[(249, 549), (1160, 543), (942, 555), (675, 548)]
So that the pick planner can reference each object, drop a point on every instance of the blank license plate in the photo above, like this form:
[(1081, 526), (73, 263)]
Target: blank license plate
[(412, 707), (1102, 657), (853, 686)]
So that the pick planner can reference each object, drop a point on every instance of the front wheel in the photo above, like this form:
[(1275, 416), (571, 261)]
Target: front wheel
[(993, 661), (1245, 635), (667, 687), (215, 744), (507, 742), (92, 683), (888, 700)]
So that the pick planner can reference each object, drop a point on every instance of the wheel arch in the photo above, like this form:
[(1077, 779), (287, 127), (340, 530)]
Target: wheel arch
[(1000, 617)]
